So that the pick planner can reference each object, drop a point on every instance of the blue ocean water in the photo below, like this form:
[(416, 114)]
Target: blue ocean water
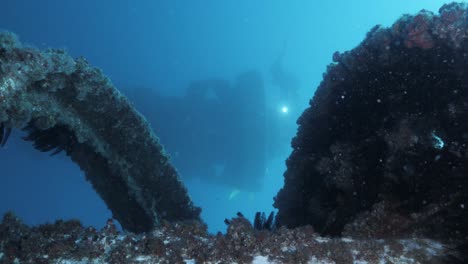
[(160, 47)]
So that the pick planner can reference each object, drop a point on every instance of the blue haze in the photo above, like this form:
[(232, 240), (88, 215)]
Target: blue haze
[(164, 45)]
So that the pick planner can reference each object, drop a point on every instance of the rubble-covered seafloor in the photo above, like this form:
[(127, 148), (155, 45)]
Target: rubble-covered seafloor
[(379, 165), (189, 242)]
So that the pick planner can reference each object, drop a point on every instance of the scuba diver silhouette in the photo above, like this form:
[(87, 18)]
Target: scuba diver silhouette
[(286, 81)]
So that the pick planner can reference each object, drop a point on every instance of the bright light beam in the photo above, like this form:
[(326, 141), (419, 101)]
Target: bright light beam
[(284, 109)]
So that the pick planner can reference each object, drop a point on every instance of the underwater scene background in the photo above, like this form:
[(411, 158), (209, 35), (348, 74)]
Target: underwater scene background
[(221, 82)]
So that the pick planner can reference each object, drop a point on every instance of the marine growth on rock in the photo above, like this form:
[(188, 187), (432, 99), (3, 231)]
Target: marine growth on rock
[(382, 150), (65, 105)]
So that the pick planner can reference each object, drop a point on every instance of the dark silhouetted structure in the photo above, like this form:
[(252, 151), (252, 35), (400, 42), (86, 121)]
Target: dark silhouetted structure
[(216, 131), (382, 149), (65, 105)]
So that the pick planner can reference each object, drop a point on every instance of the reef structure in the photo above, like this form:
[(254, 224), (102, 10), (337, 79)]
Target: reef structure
[(188, 242), (380, 159), (66, 105), (382, 151)]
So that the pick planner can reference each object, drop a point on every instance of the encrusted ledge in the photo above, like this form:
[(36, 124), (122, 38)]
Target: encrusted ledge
[(64, 104)]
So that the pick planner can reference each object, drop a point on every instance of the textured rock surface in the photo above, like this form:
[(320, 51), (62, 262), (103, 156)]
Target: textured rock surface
[(382, 151), (380, 158), (64, 104), (69, 242)]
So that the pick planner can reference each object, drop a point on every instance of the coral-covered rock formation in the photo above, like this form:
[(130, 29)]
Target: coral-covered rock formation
[(382, 151), (69, 242), (380, 158), (64, 104)]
